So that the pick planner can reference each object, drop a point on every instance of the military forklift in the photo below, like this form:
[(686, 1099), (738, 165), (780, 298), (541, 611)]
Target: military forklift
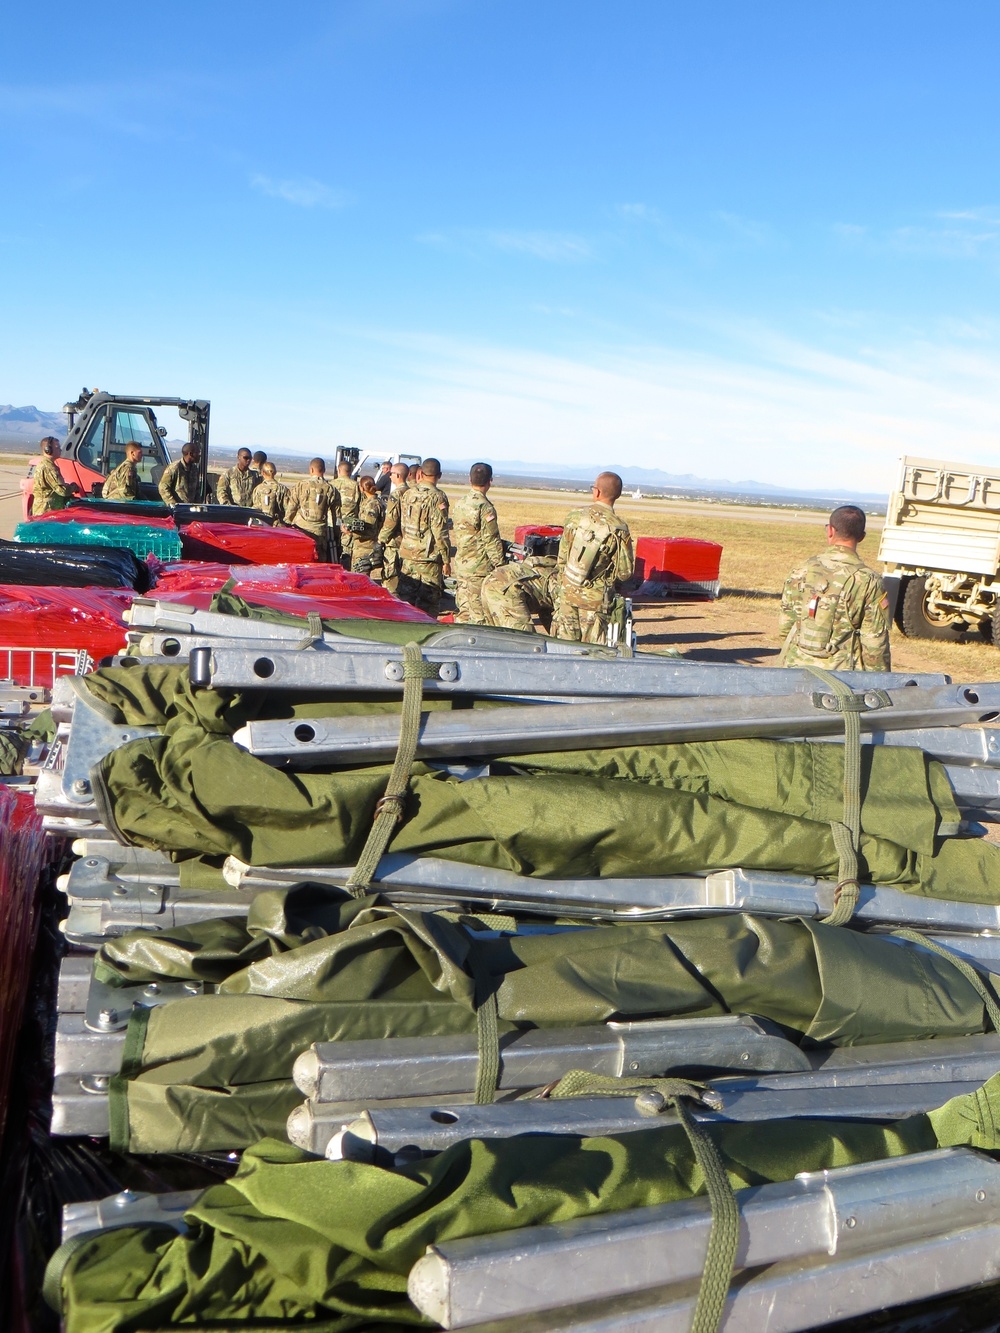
[(101, 424)]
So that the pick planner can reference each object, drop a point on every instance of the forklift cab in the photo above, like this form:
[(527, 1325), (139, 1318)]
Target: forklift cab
[(101, 424)]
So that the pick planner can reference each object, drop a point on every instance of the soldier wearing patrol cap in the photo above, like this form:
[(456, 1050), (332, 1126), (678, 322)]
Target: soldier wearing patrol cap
[(834, 611), (424, 551), (478, 548), (595, 557), (391, 534)]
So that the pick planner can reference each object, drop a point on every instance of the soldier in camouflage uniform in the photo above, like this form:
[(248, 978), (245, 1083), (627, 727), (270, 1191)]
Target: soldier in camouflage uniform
[(236, 487), (123, 482), (48, 489), (595, 557), (350, 497), (180, 483), (424, 552), (392, 531), (511, 593), (834, 611), (270, 497), (312, 507), (478, 548), (366, 553)]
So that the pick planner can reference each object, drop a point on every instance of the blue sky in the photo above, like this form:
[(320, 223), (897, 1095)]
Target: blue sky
[(734, 239)]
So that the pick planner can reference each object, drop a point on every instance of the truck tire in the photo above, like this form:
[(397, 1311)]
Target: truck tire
[(994, 624), (919, 623)]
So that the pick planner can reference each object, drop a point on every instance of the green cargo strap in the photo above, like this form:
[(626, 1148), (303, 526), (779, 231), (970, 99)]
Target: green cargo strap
[(488, 1041), (389, 810), (975, 979), (846, 835), (656, 1095)]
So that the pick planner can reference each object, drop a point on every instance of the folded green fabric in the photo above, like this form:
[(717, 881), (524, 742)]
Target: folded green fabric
[(214, 1072), (295, 1242)]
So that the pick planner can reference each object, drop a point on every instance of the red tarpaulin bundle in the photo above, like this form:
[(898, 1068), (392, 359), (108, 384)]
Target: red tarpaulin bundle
[(249, 546), (23, 850), (41, 628), (93, 516), (676, 566), (328, 590), (535, 530)]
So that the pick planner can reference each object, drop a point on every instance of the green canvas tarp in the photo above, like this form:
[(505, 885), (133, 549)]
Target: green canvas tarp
[(654, 810), (308, 964), (295, 1242)]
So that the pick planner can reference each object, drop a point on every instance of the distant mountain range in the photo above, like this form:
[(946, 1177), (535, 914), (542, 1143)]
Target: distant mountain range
[(27, 425), (22, 427), (666, 481)]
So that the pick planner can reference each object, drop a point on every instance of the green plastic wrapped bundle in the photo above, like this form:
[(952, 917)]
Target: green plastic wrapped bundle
[(164, 543)]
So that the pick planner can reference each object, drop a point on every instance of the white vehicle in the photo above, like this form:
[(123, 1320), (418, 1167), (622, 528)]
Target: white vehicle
[(369, 465), (941, 541)]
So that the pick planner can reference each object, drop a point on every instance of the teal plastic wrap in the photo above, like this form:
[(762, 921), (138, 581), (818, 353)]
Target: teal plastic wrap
[(143, 540)]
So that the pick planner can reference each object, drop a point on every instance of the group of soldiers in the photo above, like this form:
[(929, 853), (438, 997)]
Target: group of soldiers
[(399, 529)]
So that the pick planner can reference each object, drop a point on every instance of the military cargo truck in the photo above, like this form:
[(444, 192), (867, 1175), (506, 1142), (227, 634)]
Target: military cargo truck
[(941, 547)]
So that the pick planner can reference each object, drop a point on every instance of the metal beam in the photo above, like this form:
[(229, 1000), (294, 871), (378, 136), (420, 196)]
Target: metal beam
[(379, 1135), (818, 1215), (763, 893), (365, 1071), (379, 667), (526, 730)]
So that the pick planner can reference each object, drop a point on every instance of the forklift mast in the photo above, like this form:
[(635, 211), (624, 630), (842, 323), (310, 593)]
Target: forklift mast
[(100, 425)]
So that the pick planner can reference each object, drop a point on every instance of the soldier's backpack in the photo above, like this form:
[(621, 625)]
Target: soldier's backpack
[(588, 542), (819, 591), (415, 524)]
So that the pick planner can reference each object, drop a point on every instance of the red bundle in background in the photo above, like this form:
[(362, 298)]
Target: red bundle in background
[(535, 530), (42, 628), (255, 545), (23, 851), (676, 567), (327, 590), (93, 517)]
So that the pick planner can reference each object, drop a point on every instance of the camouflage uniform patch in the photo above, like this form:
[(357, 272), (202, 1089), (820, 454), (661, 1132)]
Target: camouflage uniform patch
[(595, 556), (834, 614), (511, 593), (390, 535), (122, 483), (271, 498), (350, 497), (478, 550), (312, 506), (423, 546), (236, 487), (48, 490), (365, 542), (180, 483)]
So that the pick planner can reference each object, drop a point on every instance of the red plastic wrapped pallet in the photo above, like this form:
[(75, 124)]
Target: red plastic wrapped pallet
[(23, 850), (535, 530), (93, 516), (42, 628), (328, 590), (245, 545), (676, 567)]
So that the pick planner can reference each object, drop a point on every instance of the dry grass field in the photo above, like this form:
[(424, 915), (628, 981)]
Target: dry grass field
[(760, 546)]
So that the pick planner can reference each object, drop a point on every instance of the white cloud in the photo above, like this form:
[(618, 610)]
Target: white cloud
[(747, 230), (972, 233), (553, 247), (303, 192), (767, 407)]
